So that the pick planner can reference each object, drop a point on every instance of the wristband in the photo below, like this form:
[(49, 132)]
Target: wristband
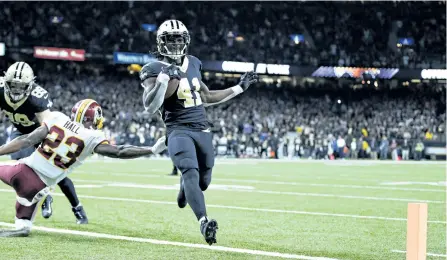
[(237, 89)]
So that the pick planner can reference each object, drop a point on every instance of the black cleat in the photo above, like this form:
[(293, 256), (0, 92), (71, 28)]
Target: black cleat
[(81, 217), (174, 172), (209, 229), (181, 197), (24, 232), (47, 210)]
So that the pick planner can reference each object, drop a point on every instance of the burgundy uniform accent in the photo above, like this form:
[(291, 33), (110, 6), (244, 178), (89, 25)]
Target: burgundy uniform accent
[(54, 144), (25, 182)]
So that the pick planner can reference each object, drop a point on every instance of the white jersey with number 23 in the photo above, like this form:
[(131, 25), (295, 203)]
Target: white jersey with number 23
[(66, 146)]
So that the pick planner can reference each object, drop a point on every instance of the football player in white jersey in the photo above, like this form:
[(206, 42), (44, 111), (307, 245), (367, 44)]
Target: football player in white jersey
[(65, 144), (26, 104)]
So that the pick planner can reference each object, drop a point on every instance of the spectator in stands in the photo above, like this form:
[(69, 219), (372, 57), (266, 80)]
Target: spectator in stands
[(394, 150), (384, 147), (419, 150), (353, 149), (373, 148), (334, 32), (341, 143), (406, 150)]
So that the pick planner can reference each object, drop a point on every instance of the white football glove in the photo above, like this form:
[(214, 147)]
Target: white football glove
[(159, 146)]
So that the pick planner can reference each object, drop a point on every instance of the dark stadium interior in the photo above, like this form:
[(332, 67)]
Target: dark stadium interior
[(319, 110), (177, 129)]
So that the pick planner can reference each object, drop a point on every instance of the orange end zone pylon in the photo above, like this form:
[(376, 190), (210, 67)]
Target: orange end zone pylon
[(417, 231)]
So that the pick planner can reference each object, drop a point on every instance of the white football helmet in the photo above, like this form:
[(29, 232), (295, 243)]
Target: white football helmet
[(18, 81), (173, 39)]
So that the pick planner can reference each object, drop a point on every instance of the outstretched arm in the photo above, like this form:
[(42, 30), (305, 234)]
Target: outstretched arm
[(214, 97), (23, 141), (122, 151), (129, 151)]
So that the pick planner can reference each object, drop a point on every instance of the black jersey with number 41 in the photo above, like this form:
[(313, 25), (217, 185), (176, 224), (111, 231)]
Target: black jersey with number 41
[(22, 114), (184, 109)]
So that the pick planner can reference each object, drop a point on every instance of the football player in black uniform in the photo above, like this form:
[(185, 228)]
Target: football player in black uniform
[(189, 138), (26, 104)]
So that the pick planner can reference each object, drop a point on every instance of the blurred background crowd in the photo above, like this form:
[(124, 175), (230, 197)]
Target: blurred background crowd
[(321, 120), (335, 33), (270, 121)]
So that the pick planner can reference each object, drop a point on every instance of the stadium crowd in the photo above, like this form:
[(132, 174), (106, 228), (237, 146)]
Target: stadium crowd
[(304, 121), (333, 33), (315, 120)]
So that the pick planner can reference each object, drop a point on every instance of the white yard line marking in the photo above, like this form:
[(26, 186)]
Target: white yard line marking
[(145, 175), (89, 186), (172, 243), (149, 175), (251, 190), (341, 196), (433, 183), (156, 186), (330, 185), (250, 161), (428, 254), (245, 208)]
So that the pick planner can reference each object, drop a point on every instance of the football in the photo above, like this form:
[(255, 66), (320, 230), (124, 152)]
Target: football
[(172, 87)]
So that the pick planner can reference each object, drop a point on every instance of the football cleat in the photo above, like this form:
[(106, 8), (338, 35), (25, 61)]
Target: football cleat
[(23, 232), (47, 210), (81, 217), (209, 229), (174, 172), (181, 197)]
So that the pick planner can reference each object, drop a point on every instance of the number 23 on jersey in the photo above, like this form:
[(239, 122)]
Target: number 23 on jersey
[(189, 94), (56, 137)]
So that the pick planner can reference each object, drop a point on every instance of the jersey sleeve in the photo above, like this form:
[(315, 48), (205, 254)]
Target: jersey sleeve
[(150, 70), (98, 138), (40, 99)]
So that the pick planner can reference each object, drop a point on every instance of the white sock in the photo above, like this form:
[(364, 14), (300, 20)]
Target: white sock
[(204, 218), (23, 223), (78, 205)]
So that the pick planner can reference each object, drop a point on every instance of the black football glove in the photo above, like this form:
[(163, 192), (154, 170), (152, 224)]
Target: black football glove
[(172, 71), (247, 79)]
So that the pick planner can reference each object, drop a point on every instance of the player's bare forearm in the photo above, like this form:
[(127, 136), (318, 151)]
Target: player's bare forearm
[(23, 141), (214, 97), (122, 151), (154, 92)]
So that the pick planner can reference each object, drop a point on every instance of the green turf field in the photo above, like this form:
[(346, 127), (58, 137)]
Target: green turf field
[(304, 210)]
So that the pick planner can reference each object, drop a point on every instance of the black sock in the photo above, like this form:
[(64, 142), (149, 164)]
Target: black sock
[(193, 193), (68, 189)]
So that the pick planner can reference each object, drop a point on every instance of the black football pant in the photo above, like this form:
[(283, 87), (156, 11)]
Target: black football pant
[(192, 153)]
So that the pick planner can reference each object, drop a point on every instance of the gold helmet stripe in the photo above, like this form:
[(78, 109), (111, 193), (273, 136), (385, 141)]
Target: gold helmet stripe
[(82, 109)]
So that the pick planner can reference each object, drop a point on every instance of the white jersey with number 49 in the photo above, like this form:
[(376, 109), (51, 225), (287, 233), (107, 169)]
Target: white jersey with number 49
[(66, 147)]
